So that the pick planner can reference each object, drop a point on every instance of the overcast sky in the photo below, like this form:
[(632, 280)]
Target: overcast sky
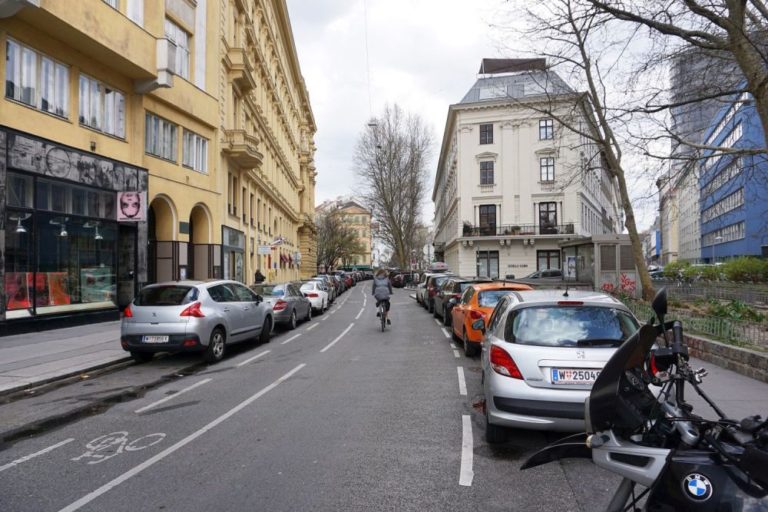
[(422, 54)]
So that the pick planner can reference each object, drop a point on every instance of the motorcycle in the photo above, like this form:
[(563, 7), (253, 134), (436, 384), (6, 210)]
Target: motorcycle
[(654, 439)]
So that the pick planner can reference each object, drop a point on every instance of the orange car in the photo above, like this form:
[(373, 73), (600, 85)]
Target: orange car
[(478, 302)]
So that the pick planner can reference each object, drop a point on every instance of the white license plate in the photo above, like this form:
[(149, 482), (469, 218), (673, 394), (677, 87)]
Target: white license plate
[(154, 339), (574, 376)]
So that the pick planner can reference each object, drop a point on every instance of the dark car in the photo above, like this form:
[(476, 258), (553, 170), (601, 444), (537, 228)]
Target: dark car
[(398, 280), (432, 286), (288, 303), (452, 288)]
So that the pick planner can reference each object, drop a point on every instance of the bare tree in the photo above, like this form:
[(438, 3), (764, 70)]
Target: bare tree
[(391, 156), (735, 28), (336, 240), (576, 37)]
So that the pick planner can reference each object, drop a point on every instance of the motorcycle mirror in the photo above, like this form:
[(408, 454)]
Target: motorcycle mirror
[(659, 304)]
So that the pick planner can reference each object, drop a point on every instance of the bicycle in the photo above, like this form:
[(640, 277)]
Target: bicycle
[(382, 315)]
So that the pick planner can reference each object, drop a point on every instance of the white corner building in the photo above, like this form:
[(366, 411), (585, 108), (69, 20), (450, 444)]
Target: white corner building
[(512, 181)]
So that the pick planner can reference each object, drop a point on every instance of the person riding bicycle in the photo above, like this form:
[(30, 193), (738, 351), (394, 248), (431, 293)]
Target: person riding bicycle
[(382, 290)]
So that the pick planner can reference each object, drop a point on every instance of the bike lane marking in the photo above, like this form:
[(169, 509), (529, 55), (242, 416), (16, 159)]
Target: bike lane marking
[(311, 327), (171, 397), (445, 331), (251, 359), (360, 313), (462, 381), (168, 451), (438, 322), (456, 354), (36, 454), (291, 338), (467, 446), (338, 337)]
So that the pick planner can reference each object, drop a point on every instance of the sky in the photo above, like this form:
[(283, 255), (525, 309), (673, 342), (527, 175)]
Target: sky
[(357, 56)]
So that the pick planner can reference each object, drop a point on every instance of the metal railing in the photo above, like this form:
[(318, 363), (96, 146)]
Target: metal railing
[(721, 290), (518, 230), (754, 335)]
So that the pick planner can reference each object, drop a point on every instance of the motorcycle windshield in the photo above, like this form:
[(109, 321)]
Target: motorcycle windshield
[(607, 408)]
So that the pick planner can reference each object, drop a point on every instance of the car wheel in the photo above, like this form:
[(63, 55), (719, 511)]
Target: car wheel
[(142, 357), (494, 434), (469, 347), (292, 321), (309, 313), (216, 346), (446, 317), (266, 331)]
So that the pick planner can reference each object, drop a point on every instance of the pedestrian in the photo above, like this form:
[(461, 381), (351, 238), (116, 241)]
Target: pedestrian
[(258, 277)]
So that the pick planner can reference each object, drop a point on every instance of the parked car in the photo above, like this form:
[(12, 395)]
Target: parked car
[(287, 302), (397, 280), (542, 352), (317, 294), (476, 303), (552, 274), (430, 289), (193, 316), (329, 285), (452, 288)]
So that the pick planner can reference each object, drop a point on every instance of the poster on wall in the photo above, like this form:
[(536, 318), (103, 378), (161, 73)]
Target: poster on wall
[(18, 286), (131, 206), (570, 267)]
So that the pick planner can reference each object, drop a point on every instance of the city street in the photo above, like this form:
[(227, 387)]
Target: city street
[(335, 415)]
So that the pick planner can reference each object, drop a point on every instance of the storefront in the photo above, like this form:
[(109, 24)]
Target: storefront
[(233, 249), (73, 229)]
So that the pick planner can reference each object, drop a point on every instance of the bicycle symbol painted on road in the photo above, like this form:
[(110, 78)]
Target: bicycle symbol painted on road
[(111, 445)]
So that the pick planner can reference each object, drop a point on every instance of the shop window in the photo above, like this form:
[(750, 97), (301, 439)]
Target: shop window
[(546, 260), (19, 191), (18, 260)]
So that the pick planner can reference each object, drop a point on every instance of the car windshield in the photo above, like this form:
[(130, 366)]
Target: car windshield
[(587, 326), (308, 286), (171, 295), (267, 290), (488, 299)]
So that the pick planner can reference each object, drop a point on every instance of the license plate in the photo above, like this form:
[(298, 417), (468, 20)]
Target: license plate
[(154, 339), (574, 376)]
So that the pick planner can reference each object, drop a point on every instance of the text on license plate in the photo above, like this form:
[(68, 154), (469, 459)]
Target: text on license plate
[(154, 339), (574, 376)]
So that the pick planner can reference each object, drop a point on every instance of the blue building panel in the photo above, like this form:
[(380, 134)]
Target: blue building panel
[(734, 188)]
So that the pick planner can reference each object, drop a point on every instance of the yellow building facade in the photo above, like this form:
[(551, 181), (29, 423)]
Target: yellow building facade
[(197, 109)]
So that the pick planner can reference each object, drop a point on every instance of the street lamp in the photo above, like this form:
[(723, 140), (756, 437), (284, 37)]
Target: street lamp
[(718, 239)]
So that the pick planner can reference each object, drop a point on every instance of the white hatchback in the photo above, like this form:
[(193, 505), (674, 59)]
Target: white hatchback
[(542, 351)]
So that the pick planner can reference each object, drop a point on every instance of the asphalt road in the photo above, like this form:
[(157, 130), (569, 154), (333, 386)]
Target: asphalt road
[(334, 416)]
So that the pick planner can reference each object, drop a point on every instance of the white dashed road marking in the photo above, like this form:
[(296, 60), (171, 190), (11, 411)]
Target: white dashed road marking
[(36, 454), (462, 382), (260, 354), (291, 338), (338, 338), (466, 473), (171, 397)]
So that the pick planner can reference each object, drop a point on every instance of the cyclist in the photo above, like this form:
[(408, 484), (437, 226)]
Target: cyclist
[(382, 290)]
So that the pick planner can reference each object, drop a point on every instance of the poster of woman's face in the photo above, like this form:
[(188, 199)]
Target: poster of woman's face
[(131, 206)]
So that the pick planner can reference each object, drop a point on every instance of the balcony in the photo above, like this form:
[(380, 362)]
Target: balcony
[(241, 148), (469, 230), (240, 70)]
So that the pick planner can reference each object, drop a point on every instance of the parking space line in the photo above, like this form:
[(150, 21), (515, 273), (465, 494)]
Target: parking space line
[(76, 505), (467, 446), (360, 313), (291, 338), (462, 381), (456, 354), (338, 338), (36, 454), (254, 358), (438, 322), (453, 346), (171, 397), (311, 327), (447, 334)]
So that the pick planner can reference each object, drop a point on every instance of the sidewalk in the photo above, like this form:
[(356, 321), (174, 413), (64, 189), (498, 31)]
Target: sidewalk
[(36, 358)]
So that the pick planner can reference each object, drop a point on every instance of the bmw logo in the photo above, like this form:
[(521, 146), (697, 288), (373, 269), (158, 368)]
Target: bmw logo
[(697, 487)]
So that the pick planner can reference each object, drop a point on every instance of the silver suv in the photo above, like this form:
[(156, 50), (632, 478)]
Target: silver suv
[(193, 316), (542, 352)]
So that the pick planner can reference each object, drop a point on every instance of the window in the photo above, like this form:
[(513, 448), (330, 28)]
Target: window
[(194, 152), (487, 220), (486, 173), (180, 38), (547, 169), (136, 11), (486, 134), (548, 218), (36, 80), (488, 264), (101, 107), (546, 129), (546, 260), (113, 3), (160, 137)]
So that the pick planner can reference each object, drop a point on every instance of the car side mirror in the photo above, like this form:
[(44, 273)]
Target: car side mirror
[(479, 325), (259, 299), (453, 301), (659, 305)]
